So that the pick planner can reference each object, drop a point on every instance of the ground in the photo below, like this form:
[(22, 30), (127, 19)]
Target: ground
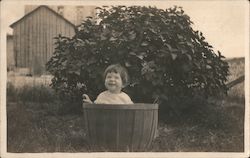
[(34, 128)]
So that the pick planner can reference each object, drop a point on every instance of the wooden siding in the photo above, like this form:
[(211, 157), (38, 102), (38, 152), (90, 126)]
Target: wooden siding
[(126, 127), (33, 38), (10, 53)]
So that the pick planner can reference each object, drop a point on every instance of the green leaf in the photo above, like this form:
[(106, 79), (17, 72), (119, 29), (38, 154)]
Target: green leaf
[(180, 36), (183, 51), (140, 56), (208, 67), (127, 64), (112, 39), (174, 56), (132, 53), (169, 47), (132, 35), (64, 63), (189, 57), (145, 43), (150, 14), (77, 72)]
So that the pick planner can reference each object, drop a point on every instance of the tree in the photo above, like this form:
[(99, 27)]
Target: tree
[(166, 58)]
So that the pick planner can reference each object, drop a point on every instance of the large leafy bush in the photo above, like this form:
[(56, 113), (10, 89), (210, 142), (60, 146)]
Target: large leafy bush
[(166, 59)]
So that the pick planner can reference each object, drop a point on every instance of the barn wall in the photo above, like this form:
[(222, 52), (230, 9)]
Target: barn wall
[(33, 39), (10, 53)]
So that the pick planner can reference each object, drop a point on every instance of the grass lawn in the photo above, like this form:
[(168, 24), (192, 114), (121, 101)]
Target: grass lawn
[(218, 126), (34, 127), (41, 127)]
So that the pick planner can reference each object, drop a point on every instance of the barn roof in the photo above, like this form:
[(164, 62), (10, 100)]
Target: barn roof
[(41, 6)]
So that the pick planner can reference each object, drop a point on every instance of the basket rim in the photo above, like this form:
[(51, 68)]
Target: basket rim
[(136, 106)]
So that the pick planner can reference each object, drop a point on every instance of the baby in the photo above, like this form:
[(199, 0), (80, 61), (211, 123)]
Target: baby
[(116, 77)]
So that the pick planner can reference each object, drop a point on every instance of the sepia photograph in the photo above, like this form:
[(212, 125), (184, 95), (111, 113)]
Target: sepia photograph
[(124, 78)]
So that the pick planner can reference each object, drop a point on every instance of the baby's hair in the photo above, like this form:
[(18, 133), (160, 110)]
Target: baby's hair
[(117, 68)]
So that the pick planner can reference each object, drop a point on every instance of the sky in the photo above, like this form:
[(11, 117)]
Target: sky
[(224, 23)]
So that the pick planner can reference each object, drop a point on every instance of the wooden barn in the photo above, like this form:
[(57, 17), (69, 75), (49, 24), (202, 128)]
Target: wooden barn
[(33, 38)]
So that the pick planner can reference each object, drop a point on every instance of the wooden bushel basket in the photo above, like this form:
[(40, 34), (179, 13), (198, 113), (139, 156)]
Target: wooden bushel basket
[(120, 127)]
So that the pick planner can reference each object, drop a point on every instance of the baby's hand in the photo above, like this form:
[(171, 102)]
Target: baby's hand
[(86, 98)]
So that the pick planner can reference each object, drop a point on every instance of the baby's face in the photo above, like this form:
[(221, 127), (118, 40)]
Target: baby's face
[(113, 82)]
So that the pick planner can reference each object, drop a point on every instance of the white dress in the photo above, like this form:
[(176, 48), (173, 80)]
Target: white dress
[(111, 98)]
